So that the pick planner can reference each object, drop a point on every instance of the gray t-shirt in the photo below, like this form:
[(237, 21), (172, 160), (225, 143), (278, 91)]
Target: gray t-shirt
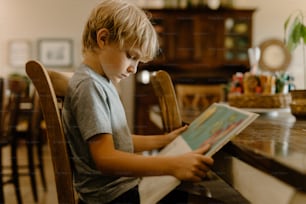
[(92, 106)]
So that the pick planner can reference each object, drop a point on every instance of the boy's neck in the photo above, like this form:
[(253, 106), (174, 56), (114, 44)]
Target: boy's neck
[(91, 61)]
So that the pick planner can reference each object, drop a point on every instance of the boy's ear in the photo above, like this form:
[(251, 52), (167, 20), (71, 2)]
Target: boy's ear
[(102, 37)]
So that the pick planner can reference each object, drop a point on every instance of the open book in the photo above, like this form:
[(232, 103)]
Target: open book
[(217, 125)]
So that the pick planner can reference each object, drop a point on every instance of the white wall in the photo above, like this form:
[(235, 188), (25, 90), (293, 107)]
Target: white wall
[(269, 23), (35, 19)]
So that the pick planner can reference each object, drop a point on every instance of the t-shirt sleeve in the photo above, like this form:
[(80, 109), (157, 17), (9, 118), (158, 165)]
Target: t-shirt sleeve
[(90, 107)]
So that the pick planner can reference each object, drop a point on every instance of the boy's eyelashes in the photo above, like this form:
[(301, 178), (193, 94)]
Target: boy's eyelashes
[(130, 56)]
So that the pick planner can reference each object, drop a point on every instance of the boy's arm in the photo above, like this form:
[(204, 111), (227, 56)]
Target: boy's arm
[(191, 166), (151, 142)]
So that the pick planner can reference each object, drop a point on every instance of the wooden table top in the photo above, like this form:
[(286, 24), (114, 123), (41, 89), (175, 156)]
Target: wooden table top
[(276, 145)]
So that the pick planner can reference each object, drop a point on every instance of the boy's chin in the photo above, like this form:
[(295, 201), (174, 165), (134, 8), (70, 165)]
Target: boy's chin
[(116, 81)]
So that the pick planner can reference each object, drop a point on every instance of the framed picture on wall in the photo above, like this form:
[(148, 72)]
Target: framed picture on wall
[(19, 52), (55, 52)]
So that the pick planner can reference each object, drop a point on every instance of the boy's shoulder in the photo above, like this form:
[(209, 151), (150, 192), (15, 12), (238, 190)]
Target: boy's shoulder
[(84, 75)]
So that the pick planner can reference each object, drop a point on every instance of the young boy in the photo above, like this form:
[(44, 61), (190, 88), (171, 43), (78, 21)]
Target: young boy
[(117, 36)]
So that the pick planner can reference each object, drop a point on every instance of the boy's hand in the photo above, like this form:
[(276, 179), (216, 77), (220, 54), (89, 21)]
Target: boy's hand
[(193, 166), (202, 149), (172, 135)]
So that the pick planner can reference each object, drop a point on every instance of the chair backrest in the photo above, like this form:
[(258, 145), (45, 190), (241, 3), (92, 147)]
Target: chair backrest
[(36, 118), (195, 98), (164, 90), (2, 106), (11, 108), (2, 90), (51, 85)]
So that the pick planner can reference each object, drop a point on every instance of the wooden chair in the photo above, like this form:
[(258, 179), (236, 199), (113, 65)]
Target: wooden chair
[(21, 124), (164, 90), (51, 87), (8, 136), (36, 130), (29, 129), (4, 141), (195, 98)]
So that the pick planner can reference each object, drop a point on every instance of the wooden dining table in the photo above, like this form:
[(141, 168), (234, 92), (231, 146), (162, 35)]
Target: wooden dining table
[(266, 162)]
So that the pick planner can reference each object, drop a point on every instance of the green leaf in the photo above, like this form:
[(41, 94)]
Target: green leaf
[(295, 32), (287, 22), (293, 36), (304, 34)]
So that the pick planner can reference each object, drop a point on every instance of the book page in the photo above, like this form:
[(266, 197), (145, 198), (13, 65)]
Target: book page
[(153, 188), (217, 125)]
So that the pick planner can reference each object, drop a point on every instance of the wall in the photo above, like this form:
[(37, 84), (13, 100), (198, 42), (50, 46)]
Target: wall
[(35, 19), (269, 23)]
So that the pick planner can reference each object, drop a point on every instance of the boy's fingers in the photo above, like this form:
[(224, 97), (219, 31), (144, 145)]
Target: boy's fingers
[(182, 129), (202, 149)]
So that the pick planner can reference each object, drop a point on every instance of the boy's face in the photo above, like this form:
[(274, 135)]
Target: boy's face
[(118, 64)]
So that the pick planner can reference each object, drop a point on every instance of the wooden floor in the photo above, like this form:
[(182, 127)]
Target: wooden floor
[(48, 197), (219, 189)]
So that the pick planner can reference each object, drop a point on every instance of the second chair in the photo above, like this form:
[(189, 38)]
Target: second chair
[(12, 133)]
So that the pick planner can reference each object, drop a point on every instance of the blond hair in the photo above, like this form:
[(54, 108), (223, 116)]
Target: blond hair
[(128, 26)]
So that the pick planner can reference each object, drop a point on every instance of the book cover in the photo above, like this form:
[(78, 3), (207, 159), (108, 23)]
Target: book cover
[(217, 125)]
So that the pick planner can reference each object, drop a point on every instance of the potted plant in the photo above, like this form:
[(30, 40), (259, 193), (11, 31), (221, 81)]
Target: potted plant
[(295, 35)]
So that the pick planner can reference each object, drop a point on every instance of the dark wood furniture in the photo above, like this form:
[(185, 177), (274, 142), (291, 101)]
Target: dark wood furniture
[(9, 117), (21, 123), (164, 91), (197, 39), (198, 46), (30, 130), (51, 87), (273, 149)]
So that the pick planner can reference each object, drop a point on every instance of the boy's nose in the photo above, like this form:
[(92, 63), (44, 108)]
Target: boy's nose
[(132, 68)]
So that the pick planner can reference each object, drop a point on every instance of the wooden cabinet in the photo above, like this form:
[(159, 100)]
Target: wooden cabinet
[(199, 38), (187, 38), (237, 37), (144, 100), (197, 46)]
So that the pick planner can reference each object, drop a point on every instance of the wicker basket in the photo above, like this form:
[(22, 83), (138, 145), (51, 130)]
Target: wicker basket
[(260, 101), (298, 94), (298, 104), (298, 108)]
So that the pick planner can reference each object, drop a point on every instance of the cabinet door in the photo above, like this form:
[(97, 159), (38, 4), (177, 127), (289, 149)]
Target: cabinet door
[(180, 37), (237, 37), (189, 38), (203, 38), (160, 24), (206, 36), (144, 101), (176, 36)]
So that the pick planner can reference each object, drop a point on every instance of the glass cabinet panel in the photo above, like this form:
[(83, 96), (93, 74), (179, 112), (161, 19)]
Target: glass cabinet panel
[(237, 39)]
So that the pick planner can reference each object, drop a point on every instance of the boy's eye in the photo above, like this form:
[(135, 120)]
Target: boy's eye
[(130, 56)]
